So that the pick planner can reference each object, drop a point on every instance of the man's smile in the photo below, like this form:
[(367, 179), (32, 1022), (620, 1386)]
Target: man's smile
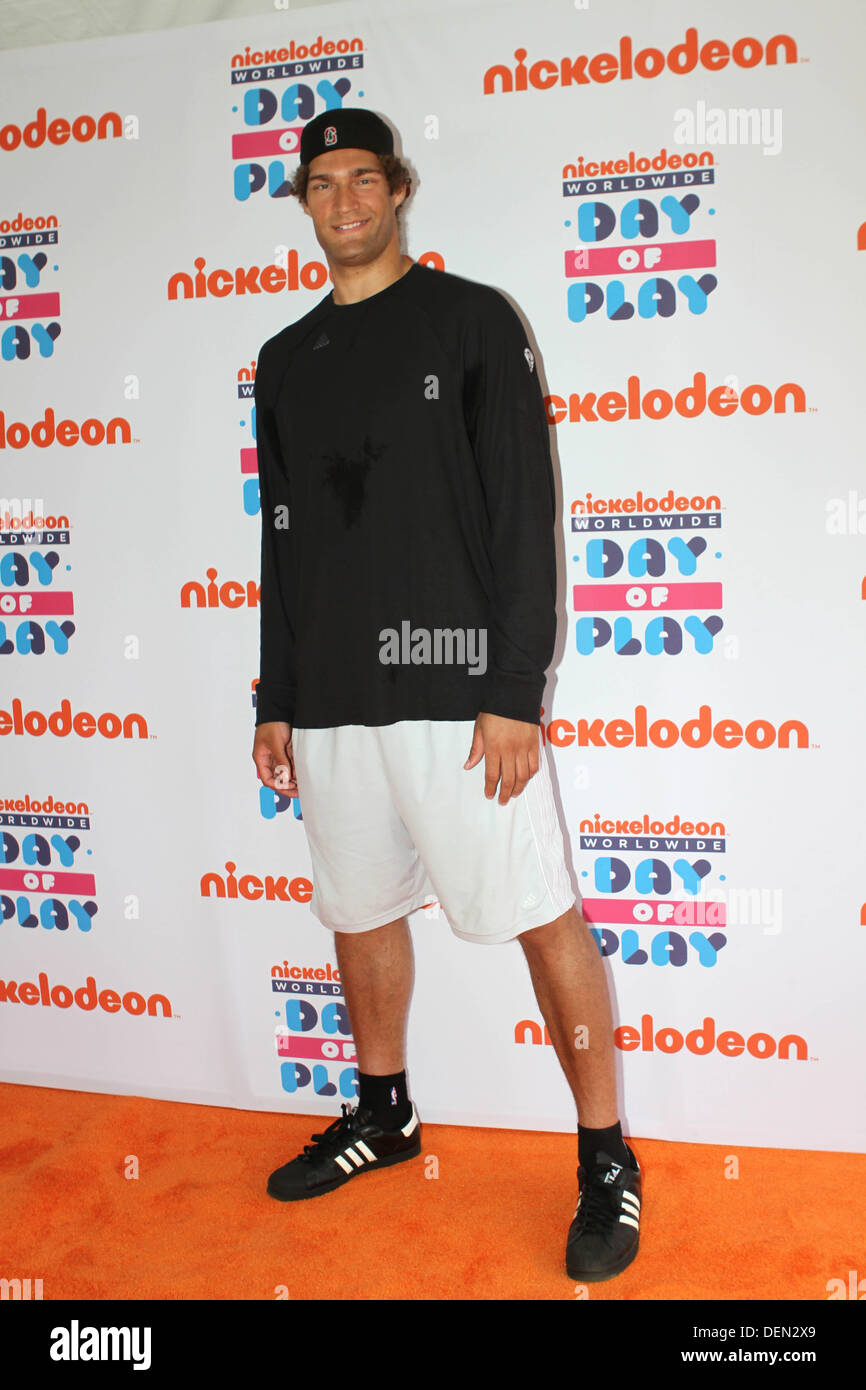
[(351, 226)]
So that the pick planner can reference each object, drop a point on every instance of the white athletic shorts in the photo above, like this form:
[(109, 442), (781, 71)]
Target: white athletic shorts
[(394, 821)]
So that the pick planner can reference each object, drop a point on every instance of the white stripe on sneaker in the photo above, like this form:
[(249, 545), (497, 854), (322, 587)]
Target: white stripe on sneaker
[(630, 1210), (367, 1152), (412, 1125), (356, 1158), (346, 1167)]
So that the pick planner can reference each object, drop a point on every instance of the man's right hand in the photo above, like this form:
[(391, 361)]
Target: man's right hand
[(274, 757)]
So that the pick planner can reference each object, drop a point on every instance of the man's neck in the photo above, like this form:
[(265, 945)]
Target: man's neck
[(353, 283)]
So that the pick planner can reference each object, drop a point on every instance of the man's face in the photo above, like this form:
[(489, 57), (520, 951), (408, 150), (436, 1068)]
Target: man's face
[(353, 212)]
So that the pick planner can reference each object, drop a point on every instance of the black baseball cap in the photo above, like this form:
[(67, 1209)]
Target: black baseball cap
[(350, 128)]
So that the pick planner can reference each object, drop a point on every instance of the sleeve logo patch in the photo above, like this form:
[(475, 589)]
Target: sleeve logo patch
[(527, 353)]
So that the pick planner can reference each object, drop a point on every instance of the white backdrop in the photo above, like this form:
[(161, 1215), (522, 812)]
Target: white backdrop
[(152, 893)]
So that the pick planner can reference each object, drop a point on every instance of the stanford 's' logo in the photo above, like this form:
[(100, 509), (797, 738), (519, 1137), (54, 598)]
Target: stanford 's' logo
[(330, 135)]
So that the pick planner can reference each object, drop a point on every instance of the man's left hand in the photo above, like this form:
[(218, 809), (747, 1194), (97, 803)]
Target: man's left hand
[(510, 751)]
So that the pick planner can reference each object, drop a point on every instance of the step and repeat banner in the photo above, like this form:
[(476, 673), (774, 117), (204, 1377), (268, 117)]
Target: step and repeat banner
[(672, 197)]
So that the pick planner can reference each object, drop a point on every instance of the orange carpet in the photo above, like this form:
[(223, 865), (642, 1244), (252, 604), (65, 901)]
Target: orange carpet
[(196, 1222)]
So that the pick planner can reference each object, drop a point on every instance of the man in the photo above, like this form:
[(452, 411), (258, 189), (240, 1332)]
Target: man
[(408, 615)]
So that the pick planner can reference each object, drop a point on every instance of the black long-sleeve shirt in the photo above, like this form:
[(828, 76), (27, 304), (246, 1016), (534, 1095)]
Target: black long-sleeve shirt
[(406, 489)]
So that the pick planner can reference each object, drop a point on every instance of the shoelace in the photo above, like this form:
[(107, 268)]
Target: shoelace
[(332, 1137), (599, 1205)]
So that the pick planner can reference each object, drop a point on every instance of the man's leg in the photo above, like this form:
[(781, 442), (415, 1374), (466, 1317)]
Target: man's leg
[(377, 974), (570, 986)]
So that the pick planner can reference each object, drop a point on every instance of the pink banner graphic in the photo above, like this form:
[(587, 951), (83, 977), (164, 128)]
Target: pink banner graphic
[(650, 258), (29, 306), (260, 144), (31, 605), (638, 912), (633, 598), (39, 880), (326, 1049)]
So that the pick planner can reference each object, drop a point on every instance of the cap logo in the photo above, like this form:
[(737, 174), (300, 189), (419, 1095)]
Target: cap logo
[(331, 135)]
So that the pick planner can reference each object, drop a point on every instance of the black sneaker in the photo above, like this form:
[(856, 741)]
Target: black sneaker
[(352, 1144), (603, 1237)]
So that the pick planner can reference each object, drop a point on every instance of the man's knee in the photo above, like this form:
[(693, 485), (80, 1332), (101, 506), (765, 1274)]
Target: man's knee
[(549, 934), (368, 933)]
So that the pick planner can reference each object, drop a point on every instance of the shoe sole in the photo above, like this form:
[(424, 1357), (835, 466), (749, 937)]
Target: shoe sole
[(599, 1276), (341, 1182)]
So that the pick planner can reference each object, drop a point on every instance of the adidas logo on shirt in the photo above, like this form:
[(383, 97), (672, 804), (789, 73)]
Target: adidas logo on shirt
[(321, 341)]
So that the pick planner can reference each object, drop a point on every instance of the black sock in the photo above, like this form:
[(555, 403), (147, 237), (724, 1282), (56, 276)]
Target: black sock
[(610, 1140), (386, 1096)]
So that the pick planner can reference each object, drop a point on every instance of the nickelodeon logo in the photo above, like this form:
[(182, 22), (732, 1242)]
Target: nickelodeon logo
[(624, 65), (25, 514), (82, 128), (231, 593), (700, 1041), (17, 435), (87, 997), (62, 722), (295, 52), (665, 733), (305, 972), (251, 887), (689, 403), (13, 227), (273, 279)]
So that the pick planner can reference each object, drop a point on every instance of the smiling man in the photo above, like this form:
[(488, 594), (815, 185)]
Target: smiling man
[(407, 487)]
